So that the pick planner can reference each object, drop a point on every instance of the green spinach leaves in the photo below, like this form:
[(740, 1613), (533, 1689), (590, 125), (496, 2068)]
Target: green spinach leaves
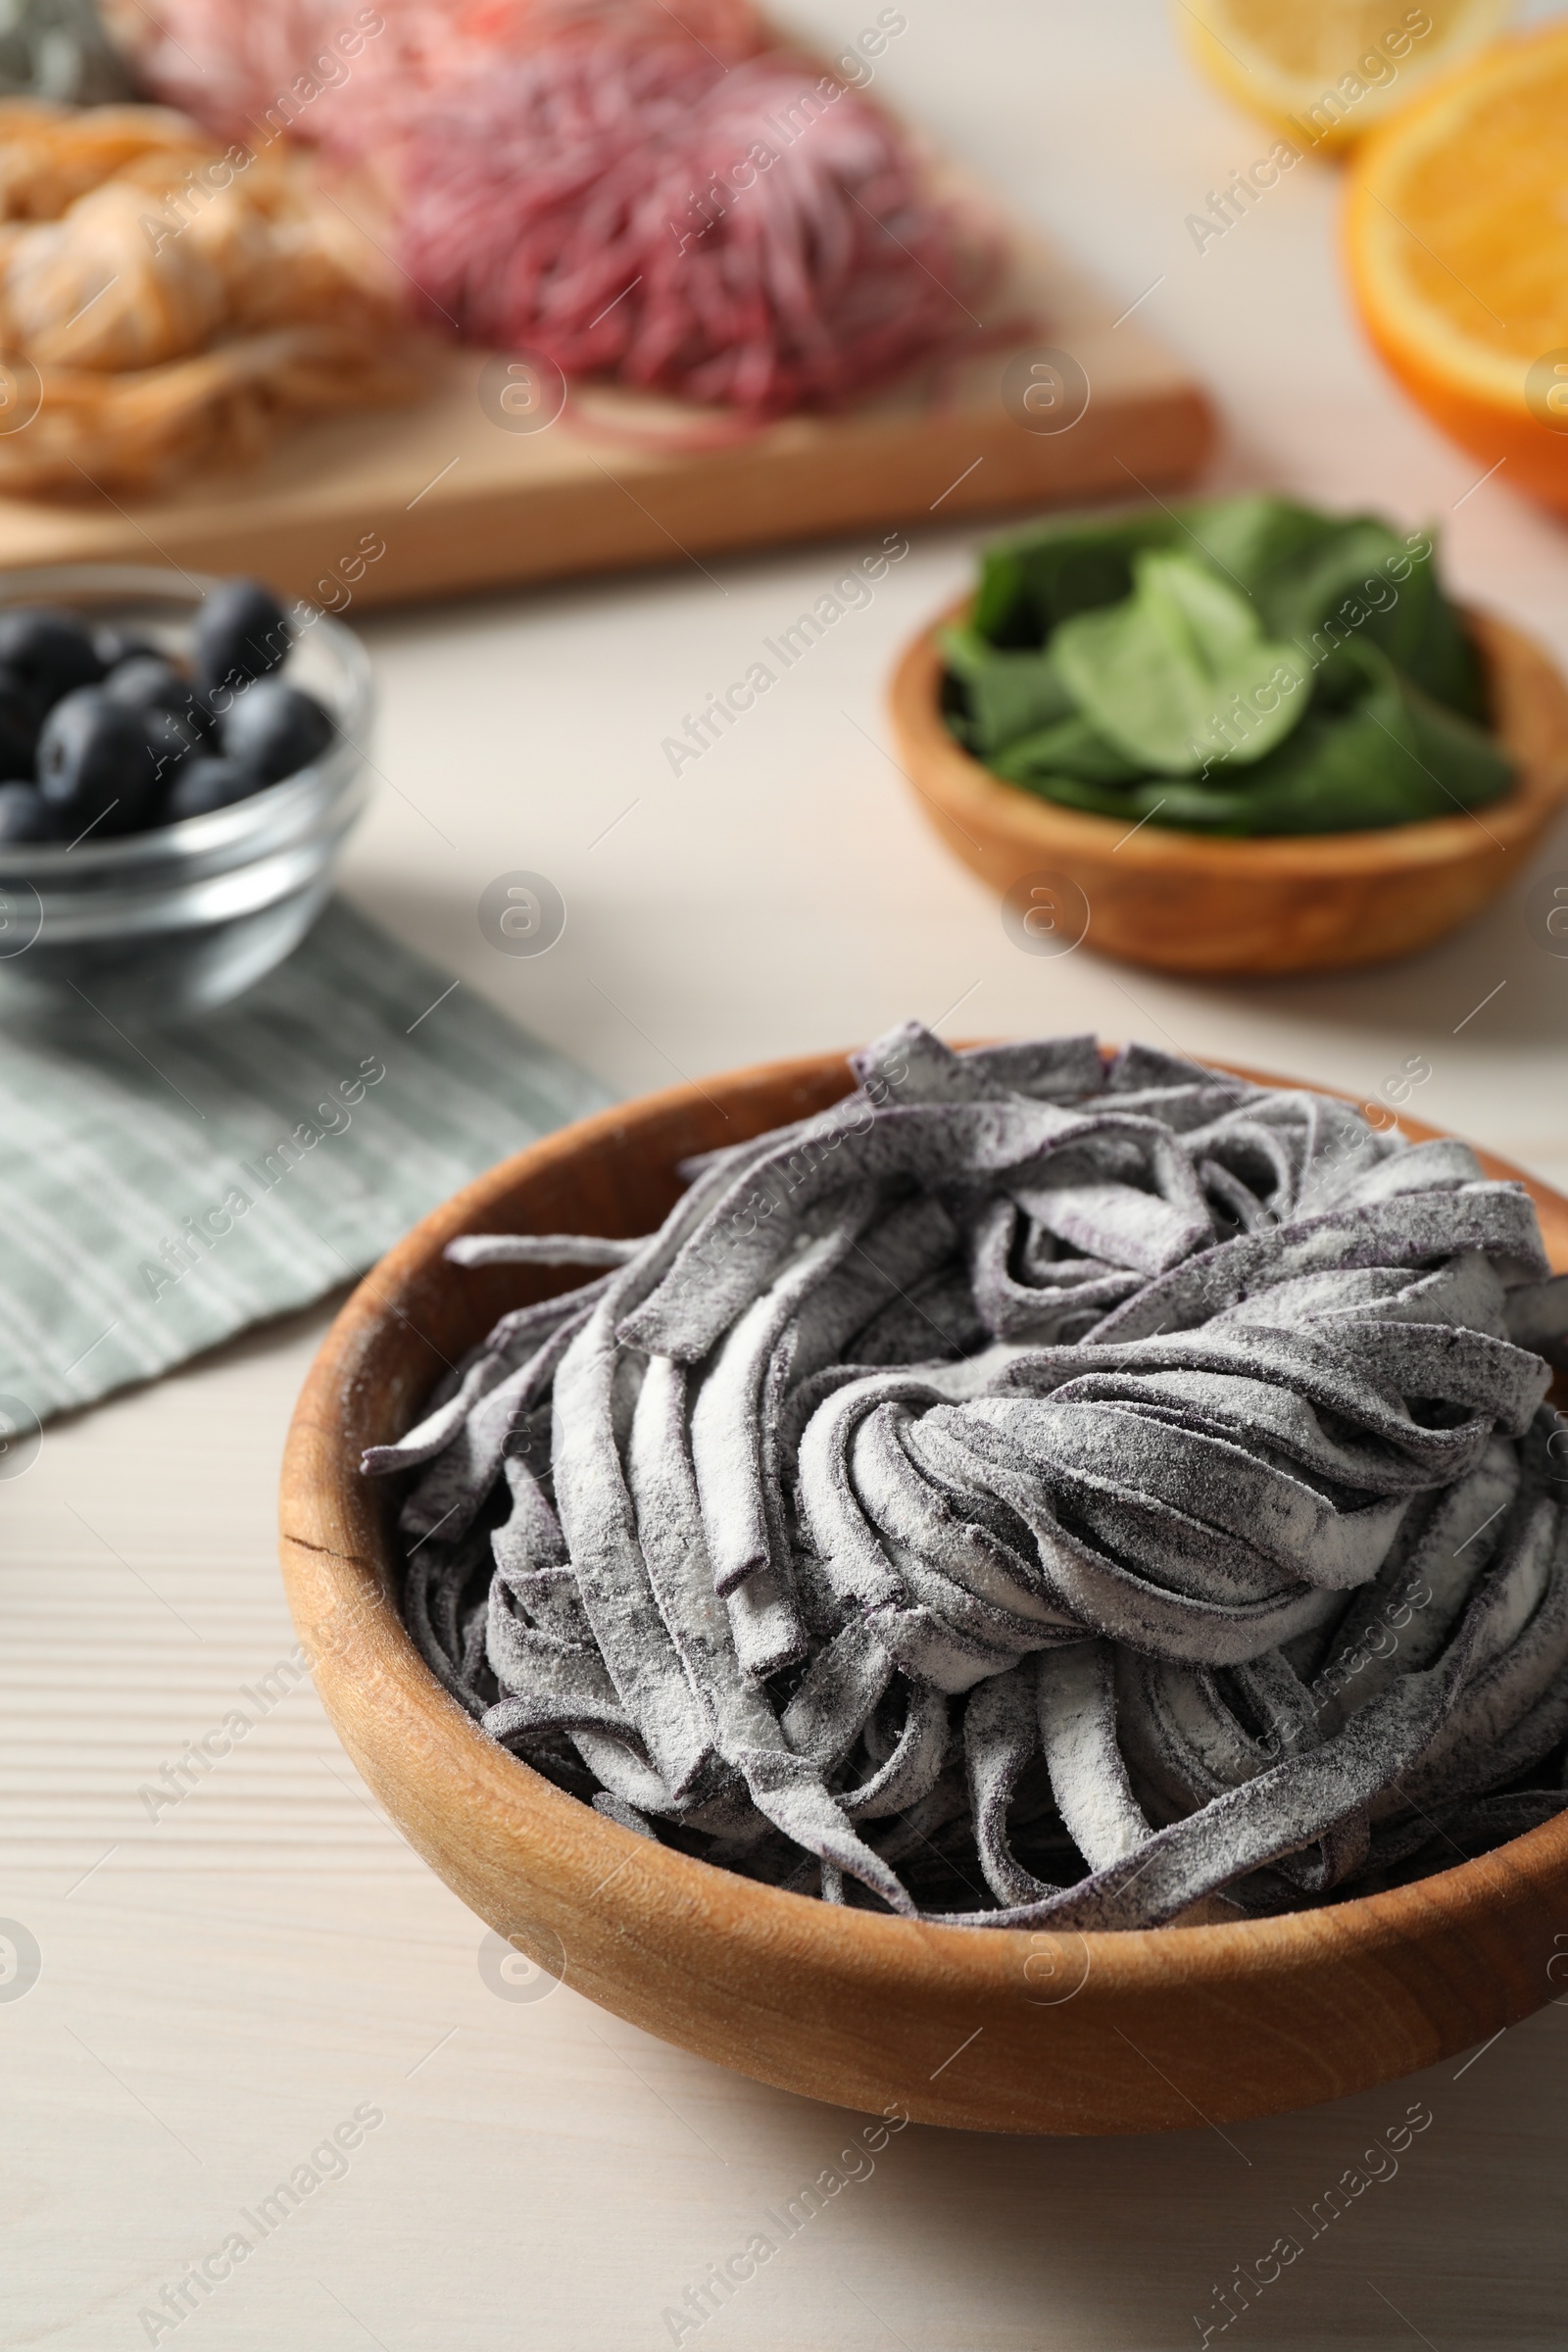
[(1243, 665)]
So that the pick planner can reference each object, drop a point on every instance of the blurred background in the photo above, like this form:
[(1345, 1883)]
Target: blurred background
[(781, 894)]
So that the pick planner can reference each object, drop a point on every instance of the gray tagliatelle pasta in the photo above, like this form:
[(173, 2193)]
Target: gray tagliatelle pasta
[(1046, 1488)]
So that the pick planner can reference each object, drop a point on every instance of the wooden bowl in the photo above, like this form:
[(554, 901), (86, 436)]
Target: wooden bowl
[(988, 2029), (1299, 902)]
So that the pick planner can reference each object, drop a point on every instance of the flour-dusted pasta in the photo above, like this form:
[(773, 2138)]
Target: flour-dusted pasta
[(1047, 1487)]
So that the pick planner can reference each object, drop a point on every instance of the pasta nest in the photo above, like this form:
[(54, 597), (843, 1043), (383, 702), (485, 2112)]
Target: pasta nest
[(1047, 1488)]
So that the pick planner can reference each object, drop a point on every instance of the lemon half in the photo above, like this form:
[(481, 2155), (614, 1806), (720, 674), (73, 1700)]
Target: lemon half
[(1328, 70)]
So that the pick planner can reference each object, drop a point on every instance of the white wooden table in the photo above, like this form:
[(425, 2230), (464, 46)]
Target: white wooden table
[(228, 1979)]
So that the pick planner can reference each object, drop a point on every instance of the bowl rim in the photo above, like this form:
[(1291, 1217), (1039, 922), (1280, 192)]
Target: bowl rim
[(125, 856), (915, 692), (338, 1569)]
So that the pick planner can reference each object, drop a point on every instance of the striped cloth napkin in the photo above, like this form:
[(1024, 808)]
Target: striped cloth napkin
[(159, 1195)]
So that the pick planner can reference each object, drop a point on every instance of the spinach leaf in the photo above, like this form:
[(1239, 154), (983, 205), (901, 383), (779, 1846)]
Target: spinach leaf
[(1346, 569), (1390, 756), (1302, 568), (1180, 674), (1397, 745), (1070, 748), (1036, 578), (1252, 539), (1005, 695), (1460, 757), (1365, 581)]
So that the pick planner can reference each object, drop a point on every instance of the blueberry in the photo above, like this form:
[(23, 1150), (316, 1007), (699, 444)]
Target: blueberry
[(273, 730), (52, 652), (100, 764), (114, 646), (241, 633), (207, 783), (24, 814), (147, 682), (20, 713)]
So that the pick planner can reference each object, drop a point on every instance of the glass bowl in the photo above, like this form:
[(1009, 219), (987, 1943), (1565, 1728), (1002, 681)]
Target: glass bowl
[(153, 927)]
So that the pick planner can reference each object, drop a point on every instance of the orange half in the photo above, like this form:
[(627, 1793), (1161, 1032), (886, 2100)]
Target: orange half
[(1456, 238)]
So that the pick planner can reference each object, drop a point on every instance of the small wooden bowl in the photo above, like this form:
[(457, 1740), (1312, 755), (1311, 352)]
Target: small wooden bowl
[(1299, 903), (994, 2030)]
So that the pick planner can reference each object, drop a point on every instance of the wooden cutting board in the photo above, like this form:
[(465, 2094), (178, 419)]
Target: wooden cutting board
[(456, 500)]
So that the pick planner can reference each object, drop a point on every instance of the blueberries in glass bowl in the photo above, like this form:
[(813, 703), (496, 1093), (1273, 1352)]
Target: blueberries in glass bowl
[(103, 733)]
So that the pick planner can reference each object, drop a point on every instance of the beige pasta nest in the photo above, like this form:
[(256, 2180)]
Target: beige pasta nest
[(166, 305)]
